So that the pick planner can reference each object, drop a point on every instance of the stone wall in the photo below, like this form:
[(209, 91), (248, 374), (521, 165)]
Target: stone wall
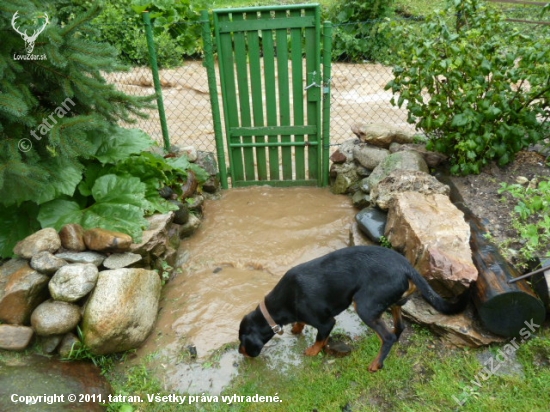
[(96, 280), (401, 204)]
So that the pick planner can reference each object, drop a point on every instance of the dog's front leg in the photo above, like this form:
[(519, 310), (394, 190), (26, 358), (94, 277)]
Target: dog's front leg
[(297, 328), (323, 332)]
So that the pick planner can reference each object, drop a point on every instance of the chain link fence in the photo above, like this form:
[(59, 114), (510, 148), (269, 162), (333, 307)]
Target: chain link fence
[(357, 94), (357, 91)]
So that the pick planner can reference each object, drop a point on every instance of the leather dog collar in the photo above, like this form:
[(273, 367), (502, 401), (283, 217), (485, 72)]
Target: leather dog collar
[(274, 326)]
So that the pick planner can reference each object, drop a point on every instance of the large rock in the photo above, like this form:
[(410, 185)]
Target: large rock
[(400, 181), (121, 310), (21, 290), (207, 160), (82, 257), (433, 235), (43, 240), (154, 239), (381, 134), (38, 375), (361, 199), (72, 237), (190, 227), (432, 159), (68, 344), (458, 330), (372, 222), (14, 337), (344, 177), (72, 282), (47, 263), (121, 260), (369, 156), (55, 318), (103, 240), (397, 161), (344, 153), (357, 237)]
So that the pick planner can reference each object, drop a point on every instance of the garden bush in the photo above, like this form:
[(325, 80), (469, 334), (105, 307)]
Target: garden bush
[(358, 34), (477, 87), (63, 156)]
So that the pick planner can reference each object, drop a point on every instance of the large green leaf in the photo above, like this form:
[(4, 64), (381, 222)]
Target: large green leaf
[(119, 205), (64, 176), (123, 143), (58, 212), (16, 223)]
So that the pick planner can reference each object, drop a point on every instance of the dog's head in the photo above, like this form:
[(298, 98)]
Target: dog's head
[(254, 333)]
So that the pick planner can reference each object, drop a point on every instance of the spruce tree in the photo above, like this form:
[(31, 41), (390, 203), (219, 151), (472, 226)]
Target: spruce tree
[(56, 110)]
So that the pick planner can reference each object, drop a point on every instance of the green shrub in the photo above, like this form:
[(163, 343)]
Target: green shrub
[(176, 29), (480, 93), (358, 35), (530, 217)]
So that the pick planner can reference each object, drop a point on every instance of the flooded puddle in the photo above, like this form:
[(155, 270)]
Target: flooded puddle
[(248, 240)]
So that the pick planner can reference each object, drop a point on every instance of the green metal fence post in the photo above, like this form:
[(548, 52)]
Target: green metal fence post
[(156, 80), (213, 88), (327, 59)]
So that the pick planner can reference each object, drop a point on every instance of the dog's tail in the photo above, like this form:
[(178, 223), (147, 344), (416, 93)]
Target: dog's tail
[(440, 304)]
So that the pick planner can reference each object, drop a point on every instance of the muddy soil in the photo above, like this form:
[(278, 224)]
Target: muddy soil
[(480, 193), (249, 238)]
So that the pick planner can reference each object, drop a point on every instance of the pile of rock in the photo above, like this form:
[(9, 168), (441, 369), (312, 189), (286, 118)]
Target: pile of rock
[(95, 278), (401, 203)]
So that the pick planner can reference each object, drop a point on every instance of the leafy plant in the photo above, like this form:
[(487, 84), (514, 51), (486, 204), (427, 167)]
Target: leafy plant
[(358, 36), (479, 91), (176, 28), (531, 219)]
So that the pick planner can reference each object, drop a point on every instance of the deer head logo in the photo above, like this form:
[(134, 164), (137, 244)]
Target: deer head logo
[(29, 40)]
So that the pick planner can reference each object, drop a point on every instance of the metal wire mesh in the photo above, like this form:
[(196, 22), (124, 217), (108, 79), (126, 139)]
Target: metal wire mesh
[(357, 94)]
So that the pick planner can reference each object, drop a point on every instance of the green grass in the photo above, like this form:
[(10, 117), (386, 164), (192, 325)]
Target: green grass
[(420, 374)]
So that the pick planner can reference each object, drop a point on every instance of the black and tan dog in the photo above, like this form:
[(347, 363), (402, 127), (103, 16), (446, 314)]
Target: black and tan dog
[(373, 278)]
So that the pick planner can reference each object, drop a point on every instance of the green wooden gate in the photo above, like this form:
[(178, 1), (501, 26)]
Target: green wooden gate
[(273, 89)]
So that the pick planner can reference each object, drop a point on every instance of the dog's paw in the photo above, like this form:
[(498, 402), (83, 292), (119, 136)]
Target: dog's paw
[(312, 351), (375, 367)]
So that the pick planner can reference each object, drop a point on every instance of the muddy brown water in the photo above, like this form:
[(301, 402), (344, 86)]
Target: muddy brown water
[(248, 239)]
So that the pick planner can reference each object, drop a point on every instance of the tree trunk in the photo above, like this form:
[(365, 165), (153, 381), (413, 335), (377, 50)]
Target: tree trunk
[(504, 309)]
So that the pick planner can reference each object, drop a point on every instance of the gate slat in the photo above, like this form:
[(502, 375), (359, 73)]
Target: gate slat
[(298, 93), (284, 94), (230, 107), (257, 97), (240, 49), (270, 71), (277, 23), (268, 50), (313, 94)]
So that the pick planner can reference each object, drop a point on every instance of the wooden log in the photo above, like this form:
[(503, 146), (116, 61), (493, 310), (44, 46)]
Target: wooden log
[(503, 308)]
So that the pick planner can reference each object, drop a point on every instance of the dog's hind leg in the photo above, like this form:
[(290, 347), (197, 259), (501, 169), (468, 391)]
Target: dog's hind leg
[(323, 331), (398, 325), (387, 337)]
